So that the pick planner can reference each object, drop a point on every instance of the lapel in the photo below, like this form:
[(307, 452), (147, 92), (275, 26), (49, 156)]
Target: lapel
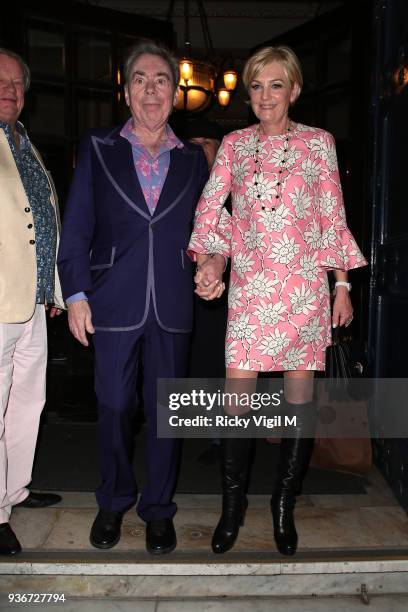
[(115, 156), (12, 188), (8, 168), (53, 191), (116, 159), (178, 180)]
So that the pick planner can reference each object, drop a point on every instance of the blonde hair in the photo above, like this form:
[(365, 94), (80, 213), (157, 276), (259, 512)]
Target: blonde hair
[(283, 55)]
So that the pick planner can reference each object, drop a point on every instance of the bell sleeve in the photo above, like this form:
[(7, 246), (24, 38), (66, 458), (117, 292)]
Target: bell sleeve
[(213, 224), (338, 249)]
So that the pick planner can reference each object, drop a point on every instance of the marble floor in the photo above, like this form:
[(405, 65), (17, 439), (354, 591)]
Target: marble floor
[(348, 545), (325, 523), (395, 603)]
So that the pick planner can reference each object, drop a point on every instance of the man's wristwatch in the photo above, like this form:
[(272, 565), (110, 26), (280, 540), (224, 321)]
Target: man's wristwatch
[(342, 284)]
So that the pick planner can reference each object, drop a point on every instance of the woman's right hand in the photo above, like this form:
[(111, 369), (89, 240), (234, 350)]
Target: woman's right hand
[(208, 277)]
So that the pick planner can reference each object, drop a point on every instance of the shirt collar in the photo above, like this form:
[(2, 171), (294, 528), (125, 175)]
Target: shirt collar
[(171, 141), (24, 140)]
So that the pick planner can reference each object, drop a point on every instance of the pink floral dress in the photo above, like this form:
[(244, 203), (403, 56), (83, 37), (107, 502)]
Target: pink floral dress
[(287, 229)]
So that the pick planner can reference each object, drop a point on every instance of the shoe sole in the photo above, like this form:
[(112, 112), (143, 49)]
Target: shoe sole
[(104, 546), (11, 553), (162, 551)]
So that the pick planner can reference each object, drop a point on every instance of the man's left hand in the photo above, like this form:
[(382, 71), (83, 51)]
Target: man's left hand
[(208, 278)]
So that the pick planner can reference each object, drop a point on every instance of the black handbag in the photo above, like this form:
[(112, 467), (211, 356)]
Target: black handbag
[(346, 367)]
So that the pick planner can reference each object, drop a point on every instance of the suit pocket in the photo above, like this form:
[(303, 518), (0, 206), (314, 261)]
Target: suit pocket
[(102, 258)]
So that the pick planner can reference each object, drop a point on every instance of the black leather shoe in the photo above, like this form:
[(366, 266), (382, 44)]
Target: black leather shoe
[(9, 545), (160, 536), (39, 500), (105, 532)]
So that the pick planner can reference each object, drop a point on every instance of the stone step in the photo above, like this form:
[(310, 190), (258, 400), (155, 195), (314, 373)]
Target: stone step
[(349, 545), (123, 575)]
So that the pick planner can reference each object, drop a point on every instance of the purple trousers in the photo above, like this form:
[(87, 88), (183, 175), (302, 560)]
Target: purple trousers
[(118, 356)]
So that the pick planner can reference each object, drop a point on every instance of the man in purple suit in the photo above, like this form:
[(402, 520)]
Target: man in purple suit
[(127, 281)]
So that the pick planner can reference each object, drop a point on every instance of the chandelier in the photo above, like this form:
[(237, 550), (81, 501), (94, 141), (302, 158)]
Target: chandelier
[(200, 79)]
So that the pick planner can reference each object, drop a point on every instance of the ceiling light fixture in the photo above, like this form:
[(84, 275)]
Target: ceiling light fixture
[(198, 78)]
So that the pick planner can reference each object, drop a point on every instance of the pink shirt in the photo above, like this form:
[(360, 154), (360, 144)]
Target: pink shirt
[(151, 171)]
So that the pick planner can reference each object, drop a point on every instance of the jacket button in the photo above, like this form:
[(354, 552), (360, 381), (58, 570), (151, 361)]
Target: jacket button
[(27, 209), (32, 241), (30, 225)]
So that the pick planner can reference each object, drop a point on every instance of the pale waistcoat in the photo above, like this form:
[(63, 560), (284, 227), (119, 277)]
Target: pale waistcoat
[(18, 264)]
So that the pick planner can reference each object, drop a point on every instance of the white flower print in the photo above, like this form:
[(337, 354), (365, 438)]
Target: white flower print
[(244, 365), (313, 236), (354, 251), (260, 286), (222, 159), (284, 250), (301, 201), (316, 145), (270, 314), (326, 151), (265, 188), (274, 221), (230, 352), (247, 146), (329, 236), (310, 171), (213, 243), (240, 329), (291, 155), (342, 214), (329, 262), (213, 186), (331, 158), (308, 267), (242, 264), (252, 238), (302, 300), (234, 296), (328, 202), (274, 343), (328, 154), (279, 299), (294, 357), (301, 127), (311, 332), (323, 290), (240, 171), (239, 205), (225, 224)]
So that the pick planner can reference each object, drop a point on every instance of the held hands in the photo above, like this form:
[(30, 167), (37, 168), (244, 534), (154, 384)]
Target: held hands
[(342, 308), (208, 277), (80, 321), (53, 311)]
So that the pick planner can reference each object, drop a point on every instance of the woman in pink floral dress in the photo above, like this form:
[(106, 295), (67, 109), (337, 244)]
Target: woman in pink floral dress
[(288, 228)]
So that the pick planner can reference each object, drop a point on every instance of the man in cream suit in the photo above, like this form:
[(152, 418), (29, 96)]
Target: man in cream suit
[(28, 286)]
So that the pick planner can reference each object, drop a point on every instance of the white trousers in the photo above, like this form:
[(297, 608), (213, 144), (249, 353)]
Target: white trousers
[(23, 364)]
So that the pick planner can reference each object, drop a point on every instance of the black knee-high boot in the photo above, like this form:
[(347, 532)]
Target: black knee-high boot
[(234, 472), (294, 459)]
